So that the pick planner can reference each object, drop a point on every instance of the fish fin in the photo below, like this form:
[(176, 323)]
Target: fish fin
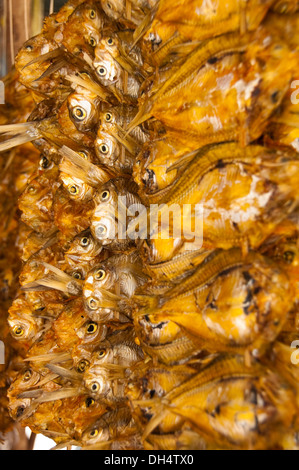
[(54, 358), (143, 27), (48, 378), (60, 394), (44, 57), (89, 84), (59, 64), (19, 139), (30, 394), (185, 48), (58, 272), (16, 128), (126, 141), (35, 287)]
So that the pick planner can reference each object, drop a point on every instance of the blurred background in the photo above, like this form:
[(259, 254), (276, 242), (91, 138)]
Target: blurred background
[(20, 20)]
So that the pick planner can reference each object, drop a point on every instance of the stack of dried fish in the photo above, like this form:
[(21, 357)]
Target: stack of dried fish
[(136, 333)]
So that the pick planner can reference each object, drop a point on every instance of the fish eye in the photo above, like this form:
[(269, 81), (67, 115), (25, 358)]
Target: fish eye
[(44, 163), (93, 304), (102, 71), (100, 275), (79, 113), (84, 242), (92, 42), (108, 117), (27, 375), (77, 275), (110, 42), (91, 328), (89, 402), (29, 48), (95, 387), (101, 231), (105, 195), (92, 14), (104, 149), (102, 353), (82, 366), (83, 154), (94, 433), (73, 190), (18, 331), (289, 256)]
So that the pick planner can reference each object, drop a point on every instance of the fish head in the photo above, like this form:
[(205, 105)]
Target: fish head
[(82, 28), (25, 380), (107, 69), (108, 118), (17, 407), (90, 14), (33, 49), (76, 188), (109, 43), (84, 247), (95, 434), (96, 382), (23, 328), (99, 290), (92, 332), (23, 325), (33, 193), (104, 226)]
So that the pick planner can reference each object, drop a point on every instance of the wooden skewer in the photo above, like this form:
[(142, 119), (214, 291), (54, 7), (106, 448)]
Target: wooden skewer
[(52, 7)]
